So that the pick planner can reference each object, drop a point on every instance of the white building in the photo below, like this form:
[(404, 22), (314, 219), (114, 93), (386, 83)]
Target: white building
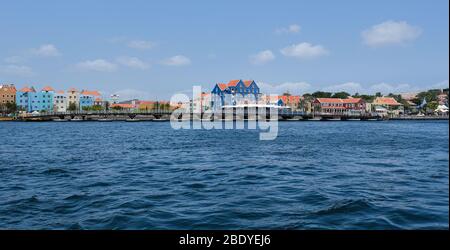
[(60, 101)]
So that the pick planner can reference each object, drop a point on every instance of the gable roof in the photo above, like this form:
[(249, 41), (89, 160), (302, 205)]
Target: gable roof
[(222, 86), (92, 93), (386, 101), (27, 89), (73, 90), (233, 83), (329, 100), (351, 100), (48, 88), (247, 83)]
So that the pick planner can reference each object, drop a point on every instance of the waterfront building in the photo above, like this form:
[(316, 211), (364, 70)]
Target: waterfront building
[(7, 93), (387, 105), (87, 98), (152, 105), (60, 101), (201, 103), (339, 106), (73, 97), (286, 100), (123, 106), (23, 97), (234, 92), (99, 102), (29, 100)]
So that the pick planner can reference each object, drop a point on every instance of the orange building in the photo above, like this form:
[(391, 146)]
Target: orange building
[(7, 94)]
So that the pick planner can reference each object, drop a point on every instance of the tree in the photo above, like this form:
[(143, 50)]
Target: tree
[(117, 108), (342, 95), (368, 98), (97, 108), (11, 107), (72, 107), (321, 94), (378, 94)]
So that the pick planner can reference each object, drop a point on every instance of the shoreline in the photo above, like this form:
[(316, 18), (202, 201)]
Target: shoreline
[(245, 120)]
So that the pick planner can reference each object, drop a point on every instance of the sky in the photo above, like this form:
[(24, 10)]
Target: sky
[(154, 49)]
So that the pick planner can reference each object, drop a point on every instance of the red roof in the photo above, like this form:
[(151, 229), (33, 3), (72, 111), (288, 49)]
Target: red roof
[(329, 100), (92, 93), (351, 100), (48, 88), (73, 90), (27, 89), (222, 86), (291, 98), (60, 92), (233, 83), (386, 101), (98, 99), (247, 82)]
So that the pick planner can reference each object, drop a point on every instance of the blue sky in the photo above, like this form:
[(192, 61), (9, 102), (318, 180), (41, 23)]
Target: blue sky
[(153, 49)]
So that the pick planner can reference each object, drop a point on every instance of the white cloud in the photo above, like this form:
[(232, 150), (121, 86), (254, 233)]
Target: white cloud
[(100, 65), (133, 62), (17, 70), (262, 57), (178, 60), (441, 85), (141, 44), (14, 60), (291, 87), (46, 50), (293, 28), (349, 87), (304, 51), (386, 88), (390, 32)]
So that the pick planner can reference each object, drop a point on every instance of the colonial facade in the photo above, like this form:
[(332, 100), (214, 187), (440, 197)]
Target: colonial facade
[(73, 97), (387, 106), (43, 100), (28, 99), (7, 94), (23, 97), (291, 101), (234, 92), (87, 98), (339, 106), (60, 101)]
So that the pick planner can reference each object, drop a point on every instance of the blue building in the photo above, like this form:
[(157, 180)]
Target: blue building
[(235, 92), (23, 97), (42, 101), (87, 99), (30, 100)]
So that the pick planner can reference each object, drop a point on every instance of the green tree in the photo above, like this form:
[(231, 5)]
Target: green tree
[(321, 94), (72, 107), (342, 95), (97, 108), (378, 94)]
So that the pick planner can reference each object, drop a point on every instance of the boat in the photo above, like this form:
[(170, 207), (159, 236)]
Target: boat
[(76, 119), (132, 120)]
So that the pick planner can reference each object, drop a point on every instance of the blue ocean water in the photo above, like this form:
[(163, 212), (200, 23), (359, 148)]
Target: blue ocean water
[(315, 175)]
